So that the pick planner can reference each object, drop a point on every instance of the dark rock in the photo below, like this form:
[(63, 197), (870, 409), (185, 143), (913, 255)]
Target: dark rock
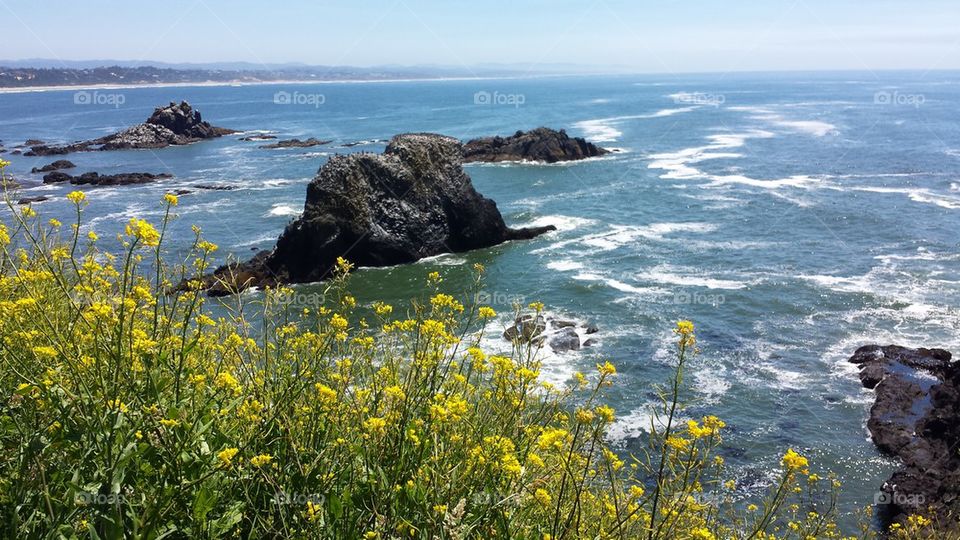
[(16, 152), (31, 200), (215, 187), (179, 192), (58, 165), (96, 179), (541, 144), (252, 138), (915, 417), (592, 329), (175, 124), (590, 343), (295, 143), (32, 142), (412, 201), (561, 323), (56, 177), (565, 340)]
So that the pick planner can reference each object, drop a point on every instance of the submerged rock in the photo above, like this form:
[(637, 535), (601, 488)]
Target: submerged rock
[(412, 201), (541, 144), (295, 143), (561, 335), (96, 179), (915, 417), (58, 165), (173, 125), (252, 138), (31, 200)]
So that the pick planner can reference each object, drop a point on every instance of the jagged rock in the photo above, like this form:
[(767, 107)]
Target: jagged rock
[(96, 179), (31, 200), (215, 187), (58, 165), (562, 323), (565, 340), (541, 144), (175, 124), (252, 138), (590, 343), (592, 329), (915, 417), (412, 201), (295, 143), (32, 142)]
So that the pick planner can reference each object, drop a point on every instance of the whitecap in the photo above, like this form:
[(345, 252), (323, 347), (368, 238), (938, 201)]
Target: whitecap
[(564, 265), (283, 210)]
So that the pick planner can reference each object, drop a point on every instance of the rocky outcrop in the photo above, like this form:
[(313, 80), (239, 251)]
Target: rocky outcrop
[(173, 125), (916, 418), (295, 143), (96, 179), (58, 165), (31, 200), (252, 138), (412, 201), (541, 144), (561, 335)]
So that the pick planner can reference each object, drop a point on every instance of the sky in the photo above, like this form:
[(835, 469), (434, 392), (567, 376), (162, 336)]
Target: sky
[(641, 36)]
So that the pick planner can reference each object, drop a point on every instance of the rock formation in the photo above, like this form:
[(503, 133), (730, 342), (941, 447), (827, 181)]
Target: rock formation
[(561, 335), (915, 417), (541, 144), (412, 201), (173, 125), (295, 143), (58, 165), (96, 179)]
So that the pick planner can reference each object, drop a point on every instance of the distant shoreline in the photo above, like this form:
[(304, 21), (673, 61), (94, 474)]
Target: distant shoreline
[(112, 86)]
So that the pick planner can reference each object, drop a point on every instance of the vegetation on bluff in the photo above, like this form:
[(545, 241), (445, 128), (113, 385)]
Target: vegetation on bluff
[(127, 410)]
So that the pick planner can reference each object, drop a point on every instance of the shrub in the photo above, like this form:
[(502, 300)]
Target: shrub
[(129, 407)]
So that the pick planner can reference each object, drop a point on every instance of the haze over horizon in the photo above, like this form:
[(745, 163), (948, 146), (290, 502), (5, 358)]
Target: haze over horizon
[(601, 35)]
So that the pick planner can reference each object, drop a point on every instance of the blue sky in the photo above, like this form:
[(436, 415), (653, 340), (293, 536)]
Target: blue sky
[(641, 36)]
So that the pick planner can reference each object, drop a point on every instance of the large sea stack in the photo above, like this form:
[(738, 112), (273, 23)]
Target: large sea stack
[(541, 144), (173, 125), (916, 418), (412, 201)]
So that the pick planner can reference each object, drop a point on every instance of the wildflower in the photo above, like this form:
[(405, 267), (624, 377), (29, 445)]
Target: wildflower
[(375, 425), (584, 416), (207, 247), (261, 460), (343, 265), (543, 497), (227, 381), (606, 413), (440, 509), (45, 351), (313, 511), (28, 212), (169, 423), (684, 328), (76, 197), (486, 312), (793, 461), (337, 322), (730, 484), (143, 231), (702, 533), (116, 405), (171, 199), (226, 456), (55, 223), (3, 163), (606, 369), (552, 438), (4, 235), (751, 508), (536, 306), (434, 278), (327, 395), (382, 309)]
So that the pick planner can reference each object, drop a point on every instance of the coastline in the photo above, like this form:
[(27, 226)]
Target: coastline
[(111, 86)]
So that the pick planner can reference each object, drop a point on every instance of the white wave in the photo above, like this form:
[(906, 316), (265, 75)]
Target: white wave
[(562, 223), (619, 285), (564, 265), (283, 210), (674, 276), (605, 129), (619, 235), (816, 128), (262, 239), (920, 195)]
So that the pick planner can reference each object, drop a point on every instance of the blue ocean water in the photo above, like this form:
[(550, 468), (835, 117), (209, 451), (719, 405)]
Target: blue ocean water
[(793, 217)]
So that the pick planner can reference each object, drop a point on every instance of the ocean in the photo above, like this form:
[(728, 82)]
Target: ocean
[(793, 217)]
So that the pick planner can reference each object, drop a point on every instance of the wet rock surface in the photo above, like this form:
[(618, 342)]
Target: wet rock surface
[(916, 418)]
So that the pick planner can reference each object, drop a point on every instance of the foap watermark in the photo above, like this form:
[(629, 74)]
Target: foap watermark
[(898, 99), (84, 97), (499, 298), (498, 98), (296, 498), (699, 98), (299, 98), (99, 499), (698, 298), (908, 500), (298, 299)]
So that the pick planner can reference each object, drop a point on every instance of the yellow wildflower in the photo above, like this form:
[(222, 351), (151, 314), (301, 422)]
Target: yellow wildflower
[(226, 456), (261, 460), (793, 461), (76, 197), (171, 199)]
